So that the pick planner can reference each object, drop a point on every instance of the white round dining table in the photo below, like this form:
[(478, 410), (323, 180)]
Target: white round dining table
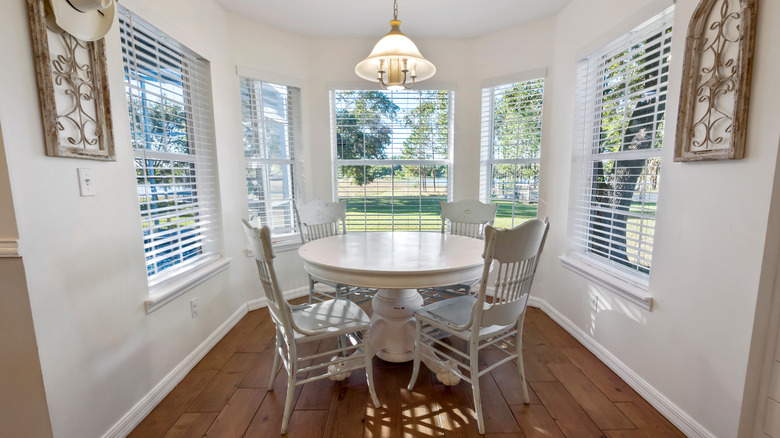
[(396, 263)]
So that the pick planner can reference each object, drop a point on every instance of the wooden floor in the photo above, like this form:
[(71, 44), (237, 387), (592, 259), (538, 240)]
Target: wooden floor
[(572, 393)]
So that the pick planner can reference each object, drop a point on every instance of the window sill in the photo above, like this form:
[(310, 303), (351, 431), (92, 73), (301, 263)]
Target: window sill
[(167, 291), (632, 290)]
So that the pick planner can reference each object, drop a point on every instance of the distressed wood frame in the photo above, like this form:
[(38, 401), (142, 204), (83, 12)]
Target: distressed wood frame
[(705, 85), (104, 147)]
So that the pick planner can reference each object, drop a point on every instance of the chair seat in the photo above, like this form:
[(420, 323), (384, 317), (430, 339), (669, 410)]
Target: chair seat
[(454, 312), (330, 317)]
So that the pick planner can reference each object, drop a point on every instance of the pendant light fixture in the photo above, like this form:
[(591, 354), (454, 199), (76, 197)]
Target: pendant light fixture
[(395, 61)]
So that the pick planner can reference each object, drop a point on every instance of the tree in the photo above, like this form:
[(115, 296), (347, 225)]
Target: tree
[(429, 138), (517, 130), (362, 132), (615, 181)]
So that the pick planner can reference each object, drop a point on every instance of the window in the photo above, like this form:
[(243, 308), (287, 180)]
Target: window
[(511, 146), (620, 121), (269, 114), (171, 124), (392, 157)]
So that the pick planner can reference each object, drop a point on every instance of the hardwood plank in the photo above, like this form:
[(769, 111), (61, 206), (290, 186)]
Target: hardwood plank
[(234, 419), (347, 411), (505, 435), (554, 333), (419, 408), (258, 375), (305, 424), (532, 334), (257, 340), (495, 412), (317, 395), (223, 351), (173, 405), (511, 387), (456, 409), (216, 394), (536, 422), (635, 433), (649, 420), (535, 369), (605, 414), (604, 378), (568, 415), (389, 379), (268, 419), (191, 425)]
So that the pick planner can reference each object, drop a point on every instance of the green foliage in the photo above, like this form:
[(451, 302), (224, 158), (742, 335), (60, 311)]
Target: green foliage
[(429, 138), (363, 132)]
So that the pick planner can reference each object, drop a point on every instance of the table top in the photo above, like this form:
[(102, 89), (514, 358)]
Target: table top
[(394, 259)]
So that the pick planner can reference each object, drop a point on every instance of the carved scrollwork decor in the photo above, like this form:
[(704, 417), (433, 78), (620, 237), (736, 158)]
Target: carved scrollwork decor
[(715, 89), (72, 89)]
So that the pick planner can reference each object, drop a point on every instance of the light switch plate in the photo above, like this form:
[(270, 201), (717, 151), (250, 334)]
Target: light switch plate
[(86, 183)]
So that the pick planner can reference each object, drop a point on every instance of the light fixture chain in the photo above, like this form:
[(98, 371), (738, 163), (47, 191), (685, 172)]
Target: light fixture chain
[(395, 9)]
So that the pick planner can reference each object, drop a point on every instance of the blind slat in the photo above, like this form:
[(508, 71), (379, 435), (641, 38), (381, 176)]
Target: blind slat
[(169, 99)]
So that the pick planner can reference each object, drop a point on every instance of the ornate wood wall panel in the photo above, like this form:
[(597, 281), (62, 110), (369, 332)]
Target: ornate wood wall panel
[(716, 81), (72, 89)]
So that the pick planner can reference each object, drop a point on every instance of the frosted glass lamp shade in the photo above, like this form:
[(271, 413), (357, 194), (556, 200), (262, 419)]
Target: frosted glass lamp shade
[(392, 54)]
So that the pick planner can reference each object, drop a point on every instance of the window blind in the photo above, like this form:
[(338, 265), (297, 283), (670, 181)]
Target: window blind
[(270, 114), (171, 125), (619, 127), (392, 157), (511, 149)]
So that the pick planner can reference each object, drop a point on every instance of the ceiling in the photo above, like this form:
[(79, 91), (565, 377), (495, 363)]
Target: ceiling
[(369, 18)]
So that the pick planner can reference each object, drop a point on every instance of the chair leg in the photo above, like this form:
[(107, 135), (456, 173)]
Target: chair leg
[(311, 289), (417, 347), (288, 401), (275, 367), (520, 366), (474, 374), (292, 374), (370, 370)]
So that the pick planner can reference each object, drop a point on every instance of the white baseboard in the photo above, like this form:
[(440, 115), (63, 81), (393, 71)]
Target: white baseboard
[(144, 406), (666, 407), (141, 409)]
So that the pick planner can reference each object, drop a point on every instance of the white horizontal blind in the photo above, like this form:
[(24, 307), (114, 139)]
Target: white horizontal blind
[(393, 157), (620, 123), (171, 122), (511, 149), (269, 115)]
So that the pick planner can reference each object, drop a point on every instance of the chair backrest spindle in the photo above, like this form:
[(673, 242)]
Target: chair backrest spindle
[(467, 218), (514, 253), (318, 219)]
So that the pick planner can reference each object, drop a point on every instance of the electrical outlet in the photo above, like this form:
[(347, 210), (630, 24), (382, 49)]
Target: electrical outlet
[(194, 307)]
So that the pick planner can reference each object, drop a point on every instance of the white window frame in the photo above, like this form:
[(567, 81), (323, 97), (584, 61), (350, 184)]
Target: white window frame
[(631, 283), (337, 162), (491, 90), (283, 237), (192, 192)]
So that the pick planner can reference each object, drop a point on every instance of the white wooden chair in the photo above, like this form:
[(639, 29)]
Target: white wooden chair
[(465, 218), (299, 324), (318, 219), (513, 254)]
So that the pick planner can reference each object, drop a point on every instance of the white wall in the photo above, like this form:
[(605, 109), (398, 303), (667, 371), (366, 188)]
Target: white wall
[(693, 348), (100, 353)]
